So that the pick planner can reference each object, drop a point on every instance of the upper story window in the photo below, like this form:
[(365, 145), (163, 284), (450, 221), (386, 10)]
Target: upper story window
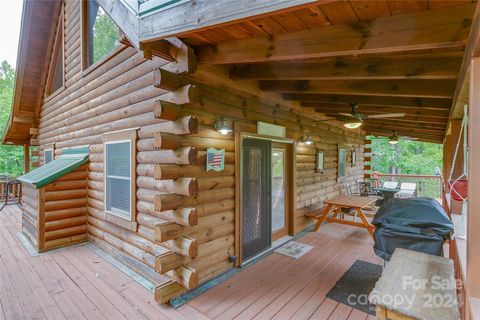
[(56, 73), (100, 34)]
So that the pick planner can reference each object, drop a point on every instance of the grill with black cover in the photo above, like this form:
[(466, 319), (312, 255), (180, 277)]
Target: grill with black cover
[(418, 224)]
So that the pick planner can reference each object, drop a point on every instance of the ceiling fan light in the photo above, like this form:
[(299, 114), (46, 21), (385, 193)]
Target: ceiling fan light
[(352, 124)]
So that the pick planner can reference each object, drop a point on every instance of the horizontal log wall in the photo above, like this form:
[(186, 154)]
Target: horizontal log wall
[(185, 215), (242, 102), (30, 216), (118, 94), (65, 210)]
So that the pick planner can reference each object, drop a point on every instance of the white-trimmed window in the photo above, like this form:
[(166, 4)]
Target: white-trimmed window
[(119, 177), (47, 155)]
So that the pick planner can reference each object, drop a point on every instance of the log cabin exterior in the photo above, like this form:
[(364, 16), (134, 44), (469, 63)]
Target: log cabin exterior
[(164, 87)]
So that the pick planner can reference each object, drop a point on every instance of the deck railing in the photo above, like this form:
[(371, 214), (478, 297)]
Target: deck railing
[(14, 192), (427, 186)]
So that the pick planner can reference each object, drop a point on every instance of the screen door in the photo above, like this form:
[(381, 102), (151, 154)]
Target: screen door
[(256, 218)]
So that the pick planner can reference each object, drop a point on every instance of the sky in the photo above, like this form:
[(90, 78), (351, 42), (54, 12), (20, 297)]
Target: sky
[(10, 17)]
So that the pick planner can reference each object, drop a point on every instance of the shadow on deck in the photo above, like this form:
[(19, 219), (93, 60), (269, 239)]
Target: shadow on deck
[(76, 283)]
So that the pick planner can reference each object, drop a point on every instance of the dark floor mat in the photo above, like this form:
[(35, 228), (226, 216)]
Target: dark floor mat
[(355, 285)]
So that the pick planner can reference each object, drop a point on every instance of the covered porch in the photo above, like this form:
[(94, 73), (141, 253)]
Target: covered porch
[(415, 63)]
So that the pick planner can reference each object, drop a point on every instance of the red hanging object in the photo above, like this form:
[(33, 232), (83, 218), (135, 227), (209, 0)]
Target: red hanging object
[(458, 189)]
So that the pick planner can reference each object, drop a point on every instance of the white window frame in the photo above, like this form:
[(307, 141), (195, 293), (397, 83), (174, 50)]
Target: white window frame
[(122, 136), (117, 211), (44, 157)]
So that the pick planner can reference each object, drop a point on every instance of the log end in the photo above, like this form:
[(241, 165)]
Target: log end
[(186, 155), (192, 186), (186, 276), (191, 124), (168, 261), (166, 291), (168, 202), (167, 231)]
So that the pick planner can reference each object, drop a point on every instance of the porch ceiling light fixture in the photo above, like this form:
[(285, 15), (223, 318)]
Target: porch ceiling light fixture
[(352, 124), (307, 140), (223, 126), (393, 139)]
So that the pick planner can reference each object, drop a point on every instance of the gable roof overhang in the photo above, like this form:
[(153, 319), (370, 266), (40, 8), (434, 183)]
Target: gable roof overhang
[(39, 19)]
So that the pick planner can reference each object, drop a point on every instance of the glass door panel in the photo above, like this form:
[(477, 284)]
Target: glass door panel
[(278, 189)]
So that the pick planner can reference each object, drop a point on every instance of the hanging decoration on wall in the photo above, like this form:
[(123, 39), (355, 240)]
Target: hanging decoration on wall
[(354, 158), (342, 155), (215, 159), (319, 163)]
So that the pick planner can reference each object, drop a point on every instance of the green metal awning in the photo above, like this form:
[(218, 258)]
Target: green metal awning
[(55, 169)]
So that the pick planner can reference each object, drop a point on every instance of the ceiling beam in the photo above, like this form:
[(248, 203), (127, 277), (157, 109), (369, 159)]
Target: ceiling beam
[(367, 109), (424, 103), (368, 125), (409, 118), (444, 65), (409, 133), (430, 126), (442, 89), (433, 29)]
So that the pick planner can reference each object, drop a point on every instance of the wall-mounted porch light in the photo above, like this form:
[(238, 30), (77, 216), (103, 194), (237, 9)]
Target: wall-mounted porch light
[(223, 126), (393, 139), (307, 140), (353, 124)]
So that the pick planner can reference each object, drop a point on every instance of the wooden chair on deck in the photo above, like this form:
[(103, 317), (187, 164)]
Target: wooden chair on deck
[(407, 190), (12, 193)]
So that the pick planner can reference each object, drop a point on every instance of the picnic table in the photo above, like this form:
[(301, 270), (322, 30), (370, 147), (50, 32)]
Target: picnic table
[(356, 203)]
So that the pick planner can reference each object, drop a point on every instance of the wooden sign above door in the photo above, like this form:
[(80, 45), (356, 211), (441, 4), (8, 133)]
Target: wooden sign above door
[(268, 129)]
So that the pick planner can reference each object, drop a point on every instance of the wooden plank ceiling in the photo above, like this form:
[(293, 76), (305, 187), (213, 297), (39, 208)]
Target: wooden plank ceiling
[(389, 56)]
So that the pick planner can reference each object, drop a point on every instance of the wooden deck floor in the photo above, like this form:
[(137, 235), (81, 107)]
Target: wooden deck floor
[(76, 283)]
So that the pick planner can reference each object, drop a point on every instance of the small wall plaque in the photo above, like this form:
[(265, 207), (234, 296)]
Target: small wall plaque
[(215, 159), (319, 163), (269, 129)]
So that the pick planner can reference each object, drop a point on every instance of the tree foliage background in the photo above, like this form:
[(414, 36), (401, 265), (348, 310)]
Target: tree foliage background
[(11, 157), (406, 157), (105, 35)]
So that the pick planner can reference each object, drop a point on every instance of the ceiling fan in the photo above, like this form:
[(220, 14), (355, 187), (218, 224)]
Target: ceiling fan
[(394, 139), (354, 119)]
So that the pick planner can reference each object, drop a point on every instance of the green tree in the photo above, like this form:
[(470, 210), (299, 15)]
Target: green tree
[(406, 157), (105, 35), (11, 157)]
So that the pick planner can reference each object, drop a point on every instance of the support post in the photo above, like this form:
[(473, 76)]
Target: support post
[(26, 158), (473, 218)]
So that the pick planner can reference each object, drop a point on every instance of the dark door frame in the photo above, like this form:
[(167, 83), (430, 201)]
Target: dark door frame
[(239, 137)]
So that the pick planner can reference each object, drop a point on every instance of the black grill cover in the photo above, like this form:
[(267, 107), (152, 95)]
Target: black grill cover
[(418, 224)]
